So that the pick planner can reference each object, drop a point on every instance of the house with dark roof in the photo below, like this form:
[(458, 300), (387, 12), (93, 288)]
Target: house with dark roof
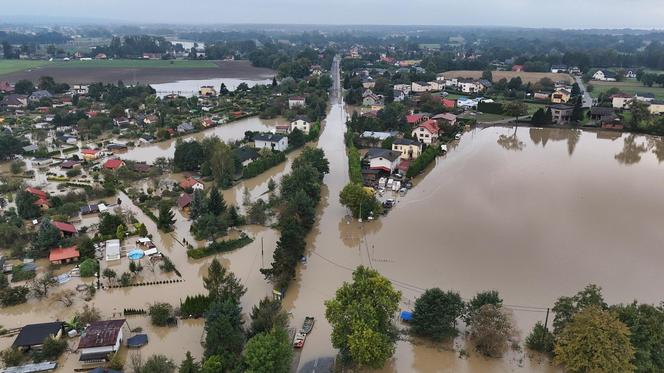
[(33, 335), (602, 114), (245, 155), (410, 149), (184, 201), (37, 96), (271, 141), (644, 96), (100, 339), (15, 101), (185, 127), (296, 101), (561, 113), (383, 159), (302, 123), (66, 229)]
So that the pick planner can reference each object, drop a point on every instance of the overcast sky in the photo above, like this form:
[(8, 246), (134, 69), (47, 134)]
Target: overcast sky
[(528, 13)]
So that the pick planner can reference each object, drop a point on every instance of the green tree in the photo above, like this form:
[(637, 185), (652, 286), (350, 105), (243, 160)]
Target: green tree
[(166, 217), (41, 285), (266, 316), (222, 284), (646, 325), (14, 295), (359, 201), (108, 224), (436, 313), (120, 232), (53, 348), (576, 90), (24, 87), (88, 268), (271, 185), (189, 365), (224, 334), (25, 205), (490, 328), (12, 357), (109, 274), (269, 352), (197, 206), (515, 109), (540, 339), (222, 163), (142, 230), (213, 364), (577, 111), (160, 314), (48, 237), (486, 74), (158, 364), (216, 204), (595, 341), (189, 155), (361, 315), (640, 114), (565, 307), (85, 247), (480, 299)]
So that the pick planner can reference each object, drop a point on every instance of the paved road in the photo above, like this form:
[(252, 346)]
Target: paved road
[(587, 98)]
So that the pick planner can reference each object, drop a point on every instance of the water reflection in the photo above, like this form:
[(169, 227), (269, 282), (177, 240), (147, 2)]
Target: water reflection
[(511, 142), (657, 146), (631, 152), (544, 135)]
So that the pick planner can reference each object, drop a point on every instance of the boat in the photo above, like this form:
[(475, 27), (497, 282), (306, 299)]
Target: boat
[(298, 341), (308, 324)]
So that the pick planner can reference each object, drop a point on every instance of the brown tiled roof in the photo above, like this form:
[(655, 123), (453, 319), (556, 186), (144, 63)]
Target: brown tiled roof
[(101, 334)]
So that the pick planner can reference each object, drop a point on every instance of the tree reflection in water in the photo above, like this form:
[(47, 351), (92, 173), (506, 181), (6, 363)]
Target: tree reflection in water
[(631, 153), (511, 142), (657, 146)]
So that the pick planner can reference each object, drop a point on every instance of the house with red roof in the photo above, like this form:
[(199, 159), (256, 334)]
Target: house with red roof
[(426, 132), (100, 339), (448, 103), (414, 119), (90, 154), (518, 68), (66, 229), (191, 183), (62, 255), (36, 192), (113, 164)]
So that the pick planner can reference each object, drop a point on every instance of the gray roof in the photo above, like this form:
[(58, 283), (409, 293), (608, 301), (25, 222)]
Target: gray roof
[(245, 153), (270, 137), (646, 95), (38, 95), (561, 107), (599, 110), (34, 334), (406, 142), (301, 117), (383, 153)]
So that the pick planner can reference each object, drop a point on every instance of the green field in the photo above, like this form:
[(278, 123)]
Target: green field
[(627, 86), (11, 66)]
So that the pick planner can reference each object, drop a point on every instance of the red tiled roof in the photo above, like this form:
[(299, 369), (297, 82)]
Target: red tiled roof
[(189, 182), (41, 202), (431, 126), (63, 253), (184, 200), (90, 151), (64, 227), (413, 118), (37, 192), (448, 103), (101, 334), (113, 164)]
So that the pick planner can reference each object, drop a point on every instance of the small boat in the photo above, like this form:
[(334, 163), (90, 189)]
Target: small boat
[(298, 341), (308, 324)]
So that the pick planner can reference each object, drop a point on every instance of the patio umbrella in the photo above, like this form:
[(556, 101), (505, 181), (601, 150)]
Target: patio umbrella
[(136, 254)]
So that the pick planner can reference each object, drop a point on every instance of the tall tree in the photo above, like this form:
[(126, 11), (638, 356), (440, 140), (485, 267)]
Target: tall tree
[(224, 334), (577, 111), (516, 109), (216, 204), (480, 299), (266, 316), (189, 365), (566, 307), (490, 328), (269, 352), (48, 237), (646, 325), (362, 315), (595, 341), (436, 313), (197, 207), (222, 284), (166, 217)]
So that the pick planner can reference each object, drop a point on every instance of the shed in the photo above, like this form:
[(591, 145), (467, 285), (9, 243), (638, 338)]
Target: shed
[(33, 335)]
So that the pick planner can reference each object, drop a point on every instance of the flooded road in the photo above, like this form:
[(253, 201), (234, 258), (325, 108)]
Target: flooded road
[(228, 132), (532, 213)]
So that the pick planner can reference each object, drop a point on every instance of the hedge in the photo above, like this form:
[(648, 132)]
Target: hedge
[(490, 107), (262, 164), (195, 306), (219, 247), (422, 161)]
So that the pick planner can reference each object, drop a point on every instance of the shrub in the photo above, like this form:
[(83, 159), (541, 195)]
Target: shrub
[(161, 314), (88, 268), (220, 247), (540, 339)]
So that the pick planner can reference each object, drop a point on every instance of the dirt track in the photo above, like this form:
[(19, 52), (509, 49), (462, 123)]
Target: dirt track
[(225, 69)]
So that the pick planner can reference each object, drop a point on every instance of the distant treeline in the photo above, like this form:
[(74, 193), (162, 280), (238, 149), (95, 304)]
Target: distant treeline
[(39, 38)]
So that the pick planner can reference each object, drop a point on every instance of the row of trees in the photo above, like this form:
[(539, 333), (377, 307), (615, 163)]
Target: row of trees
[(299, 195), (211, 216)]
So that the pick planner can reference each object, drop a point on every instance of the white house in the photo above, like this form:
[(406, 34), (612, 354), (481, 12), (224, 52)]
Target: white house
[(557, 69), (100, 339), (605, 75), (644, 97), (631, 73), (419, 87), (405, 88), (426, 132), (469, 86), (271, 141), (79, 89), (112, 250), (302, 123), (383, 159), (440, 78), (621, 100), (296, 101), (399, 95)]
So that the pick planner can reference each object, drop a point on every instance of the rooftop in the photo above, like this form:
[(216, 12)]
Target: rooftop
[(101, 334), (34, 334)]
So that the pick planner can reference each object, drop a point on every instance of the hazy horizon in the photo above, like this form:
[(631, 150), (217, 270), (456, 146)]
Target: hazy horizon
[(588, 14)]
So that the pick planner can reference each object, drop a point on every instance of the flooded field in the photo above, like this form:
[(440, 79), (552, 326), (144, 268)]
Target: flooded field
[(190, 88), (228, 132)]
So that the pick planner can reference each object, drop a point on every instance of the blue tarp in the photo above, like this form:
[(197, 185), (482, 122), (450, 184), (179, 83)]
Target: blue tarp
[(136, 254), (138, 340), (406, 315)]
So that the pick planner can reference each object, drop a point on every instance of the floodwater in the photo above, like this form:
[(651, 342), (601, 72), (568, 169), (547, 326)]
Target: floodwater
[(190, 88), (228, 132)]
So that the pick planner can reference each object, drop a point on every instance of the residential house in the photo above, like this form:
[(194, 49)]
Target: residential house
[(122, 122), (80, 89), (37, 96), (185, 127), (283, 129), (410, 149), (468, 103), (383, 159), (398, 95), (302, 123), (151, 119), (42, 199), (372, 99), (419, 87), (448, 118), (449, 103), (30, 148), (368, 82), (602, 114), (63, 255), (271, 141), (245, 155), (100, 339), (113, 164), (631, 73), (413, 119), (518, 68), (296, 101), (561, 113), (141, 167), (656, 107), (605, 75), (561, 96), (470, 86), (644, 96), (89, 209), (90, 154), (5, 87), (575, 70), (66, 229), (373, 139), (207, 91), (426, 132), (557, 69), (440, 77), (452, 83), (191, 183), (32, 336), (69, 164), (544, 96), (405, 88), (621, 100), (15, 101), (112, 250), (207, 122), (184, 201)]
